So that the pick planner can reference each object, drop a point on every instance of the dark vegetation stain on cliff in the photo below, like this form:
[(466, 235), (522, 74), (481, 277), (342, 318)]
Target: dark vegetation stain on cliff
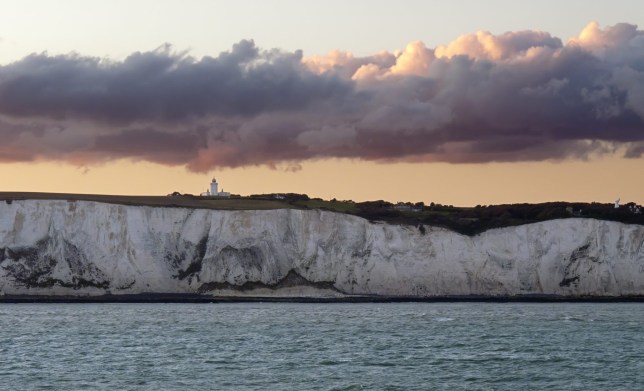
[(571, 271), (248, 258), (292, 279), (32, 266), (251, 257), (194, 254)]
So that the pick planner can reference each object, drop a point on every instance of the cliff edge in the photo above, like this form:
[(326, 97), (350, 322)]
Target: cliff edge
[(86, 248)]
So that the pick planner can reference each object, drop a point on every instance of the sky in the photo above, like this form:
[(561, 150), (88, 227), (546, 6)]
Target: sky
[(454, 102)]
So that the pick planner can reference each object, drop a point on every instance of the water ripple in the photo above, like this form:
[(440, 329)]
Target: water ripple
[(416, 346)]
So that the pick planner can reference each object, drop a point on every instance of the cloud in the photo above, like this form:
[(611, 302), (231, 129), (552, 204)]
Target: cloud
[(345, 64), (484, 45), (162, 85), (517, 96)]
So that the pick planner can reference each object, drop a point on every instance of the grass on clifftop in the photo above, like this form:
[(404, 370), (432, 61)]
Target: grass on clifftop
[(180, 201), (465, 220)]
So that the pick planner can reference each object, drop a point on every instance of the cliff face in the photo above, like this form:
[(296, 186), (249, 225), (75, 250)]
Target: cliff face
[(79, 248)]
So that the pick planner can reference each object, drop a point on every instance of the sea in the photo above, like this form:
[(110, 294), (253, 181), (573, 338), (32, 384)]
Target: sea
[(290, 346)]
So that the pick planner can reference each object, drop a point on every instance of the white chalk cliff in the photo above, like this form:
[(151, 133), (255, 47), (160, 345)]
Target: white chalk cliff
[(91, 248)]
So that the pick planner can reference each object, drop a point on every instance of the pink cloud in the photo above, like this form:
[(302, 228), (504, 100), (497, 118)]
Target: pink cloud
[(516, 96)]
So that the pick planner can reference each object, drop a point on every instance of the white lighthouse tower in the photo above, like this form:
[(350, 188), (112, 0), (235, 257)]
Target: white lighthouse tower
[(214, 187), (214, 190)]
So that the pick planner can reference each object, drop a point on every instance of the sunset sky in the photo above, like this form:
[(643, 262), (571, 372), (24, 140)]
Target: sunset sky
[(455, 102)]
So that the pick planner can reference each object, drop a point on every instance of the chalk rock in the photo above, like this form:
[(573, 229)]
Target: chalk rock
[(90, 248)]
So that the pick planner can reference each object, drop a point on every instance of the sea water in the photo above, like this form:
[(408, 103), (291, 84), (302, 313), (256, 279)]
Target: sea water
[(273, 346)]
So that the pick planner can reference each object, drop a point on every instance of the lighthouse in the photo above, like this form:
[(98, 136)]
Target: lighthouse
[(214, 187), (214, 190)]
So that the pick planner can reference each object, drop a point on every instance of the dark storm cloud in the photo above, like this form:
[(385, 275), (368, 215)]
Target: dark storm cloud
[(162, 85), (518, 96)]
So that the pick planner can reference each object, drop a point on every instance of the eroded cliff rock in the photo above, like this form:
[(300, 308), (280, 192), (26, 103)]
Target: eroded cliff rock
[(90, 248)]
